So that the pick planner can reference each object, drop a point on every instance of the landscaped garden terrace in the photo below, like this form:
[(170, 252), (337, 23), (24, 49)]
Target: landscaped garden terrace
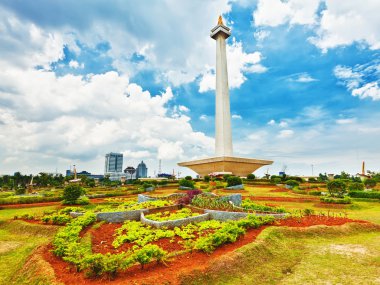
[(115, 248)]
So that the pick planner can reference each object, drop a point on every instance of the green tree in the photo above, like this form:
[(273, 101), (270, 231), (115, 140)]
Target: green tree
[(71, 193), (322, 177), (292, 183), (226, 176), (337, 187), (370, 183), (251, 176), (233, 181), (206, 178), (186, 183), (356, 186)]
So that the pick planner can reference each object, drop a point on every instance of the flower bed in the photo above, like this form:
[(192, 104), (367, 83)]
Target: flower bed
[(204, 236), (120, 205), (170, 216)]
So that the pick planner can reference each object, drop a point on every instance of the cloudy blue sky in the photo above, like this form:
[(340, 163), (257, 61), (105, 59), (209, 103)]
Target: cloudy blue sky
[(79, 79)]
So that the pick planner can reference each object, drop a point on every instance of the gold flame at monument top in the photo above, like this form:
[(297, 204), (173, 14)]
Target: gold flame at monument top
[(220, 20)]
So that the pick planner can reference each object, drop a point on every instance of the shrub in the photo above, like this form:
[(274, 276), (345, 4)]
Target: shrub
[(312, 179), (308, 212), (273, 177), (225, 177), (147, 185), (233, 181), (251, 176), (189, 196), (206, 178), (163, 182), (292, 183), (363, 194), (20, 191), (277, 180), (332, 200), (315, 193), (299, 179), (71, 193), (356, 186), (188, 177), (370, 183), (149, 252), (249, 205), (336, 187), (186, 183), (82, 201)]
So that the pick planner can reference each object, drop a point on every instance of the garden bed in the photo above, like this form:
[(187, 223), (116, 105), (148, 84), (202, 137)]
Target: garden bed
[(183, 264)]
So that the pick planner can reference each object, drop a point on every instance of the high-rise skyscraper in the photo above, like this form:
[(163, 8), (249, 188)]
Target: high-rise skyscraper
[(142, 170), (113, 163)]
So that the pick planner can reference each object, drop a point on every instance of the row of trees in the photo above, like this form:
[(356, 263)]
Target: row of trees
[(18, 180)]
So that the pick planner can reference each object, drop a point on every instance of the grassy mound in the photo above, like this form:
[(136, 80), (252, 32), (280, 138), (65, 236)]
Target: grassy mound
[(315, 255)]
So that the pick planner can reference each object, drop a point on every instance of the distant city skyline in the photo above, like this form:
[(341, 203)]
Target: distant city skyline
[(138, 77)]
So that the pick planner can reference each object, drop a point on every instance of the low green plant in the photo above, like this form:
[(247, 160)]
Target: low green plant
[(148, 253), (70, 233), (211, 202), (249, 205), (364, 194), (335, 200), (167, 216)]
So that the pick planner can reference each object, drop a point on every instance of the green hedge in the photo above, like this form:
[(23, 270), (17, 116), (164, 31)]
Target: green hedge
[(363, 194), (333, 200), (28, 200)]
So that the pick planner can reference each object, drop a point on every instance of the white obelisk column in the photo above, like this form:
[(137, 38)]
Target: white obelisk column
[(223, 136)]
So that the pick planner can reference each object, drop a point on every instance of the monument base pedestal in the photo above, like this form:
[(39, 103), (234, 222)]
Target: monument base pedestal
[(237, 165)]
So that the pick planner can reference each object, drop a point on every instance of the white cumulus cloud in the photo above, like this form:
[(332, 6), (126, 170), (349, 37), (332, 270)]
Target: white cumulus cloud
[(361, 80), (238, 63), (276, 12)]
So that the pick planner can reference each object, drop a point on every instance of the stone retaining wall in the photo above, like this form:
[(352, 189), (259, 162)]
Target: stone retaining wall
[(234, 198), (275, 215), (174, 223), (224, 215), (115, 217), (119, 217)]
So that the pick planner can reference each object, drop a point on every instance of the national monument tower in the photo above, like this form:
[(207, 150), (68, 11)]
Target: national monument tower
[(224, 161)]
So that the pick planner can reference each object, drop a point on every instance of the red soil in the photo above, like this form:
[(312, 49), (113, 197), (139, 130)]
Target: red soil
[(32, 221), (102, 239), (180, 265), (330, 205), (279, 190)]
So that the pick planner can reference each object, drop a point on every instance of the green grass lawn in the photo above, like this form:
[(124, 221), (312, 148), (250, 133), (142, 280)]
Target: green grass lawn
[(347, 254), (318, 255), (18, 239)]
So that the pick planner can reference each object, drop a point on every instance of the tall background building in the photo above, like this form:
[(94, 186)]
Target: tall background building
[(142, 170), (113, 163)]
